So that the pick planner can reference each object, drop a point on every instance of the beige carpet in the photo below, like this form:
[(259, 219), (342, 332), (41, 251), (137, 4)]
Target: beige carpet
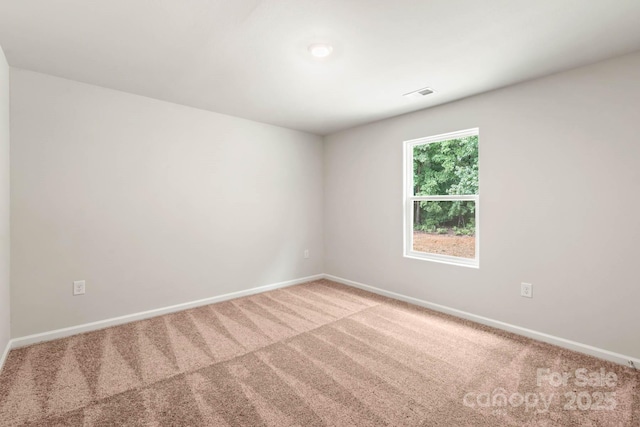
[(310, 355)]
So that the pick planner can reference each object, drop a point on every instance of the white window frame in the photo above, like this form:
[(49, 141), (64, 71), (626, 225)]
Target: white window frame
[(409, 200)]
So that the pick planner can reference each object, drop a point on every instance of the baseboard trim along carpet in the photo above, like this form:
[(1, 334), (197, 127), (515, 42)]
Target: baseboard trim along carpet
[(5, 353), (540, 336), (101, 324), (529, 333)]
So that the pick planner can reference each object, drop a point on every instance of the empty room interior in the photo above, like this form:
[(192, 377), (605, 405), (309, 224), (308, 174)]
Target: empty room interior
[(319, 213)]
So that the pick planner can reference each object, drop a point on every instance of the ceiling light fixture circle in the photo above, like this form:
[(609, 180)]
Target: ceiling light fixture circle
[(320, 50)]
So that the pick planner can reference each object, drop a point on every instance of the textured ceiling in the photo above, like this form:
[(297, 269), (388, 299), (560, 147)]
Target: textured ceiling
[(249, 58)]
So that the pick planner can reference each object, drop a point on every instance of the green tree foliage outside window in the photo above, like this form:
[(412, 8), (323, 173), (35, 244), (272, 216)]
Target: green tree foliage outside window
[(446, 168)]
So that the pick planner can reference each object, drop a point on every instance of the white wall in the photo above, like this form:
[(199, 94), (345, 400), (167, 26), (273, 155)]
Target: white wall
[(4, 205), (559, 196), (152, 203)]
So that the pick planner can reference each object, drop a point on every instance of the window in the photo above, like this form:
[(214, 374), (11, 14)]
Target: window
[(442, 199)]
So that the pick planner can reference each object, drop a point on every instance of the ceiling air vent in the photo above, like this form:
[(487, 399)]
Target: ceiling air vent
[(419, 93)]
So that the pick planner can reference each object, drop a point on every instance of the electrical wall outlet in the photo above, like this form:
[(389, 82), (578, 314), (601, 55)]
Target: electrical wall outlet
[(526, 290), (306, 253), (79, 287)]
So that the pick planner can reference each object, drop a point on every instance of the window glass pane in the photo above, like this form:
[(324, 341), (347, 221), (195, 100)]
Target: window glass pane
[(446, 167), (445, 228)]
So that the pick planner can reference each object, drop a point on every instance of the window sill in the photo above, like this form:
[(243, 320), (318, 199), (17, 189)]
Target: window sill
[(443, 259)]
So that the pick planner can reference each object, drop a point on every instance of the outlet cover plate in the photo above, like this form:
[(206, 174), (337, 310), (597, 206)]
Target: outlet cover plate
[(526, 290), (79, 287)]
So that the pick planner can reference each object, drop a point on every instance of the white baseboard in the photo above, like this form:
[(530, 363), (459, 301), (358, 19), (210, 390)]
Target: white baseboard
[(101, 324), (5, 353), (540, 336)]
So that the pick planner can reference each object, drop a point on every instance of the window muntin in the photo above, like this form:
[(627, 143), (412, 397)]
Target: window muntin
[(442, 198)]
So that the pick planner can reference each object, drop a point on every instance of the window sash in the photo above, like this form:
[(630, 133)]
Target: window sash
[(448, 259)]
